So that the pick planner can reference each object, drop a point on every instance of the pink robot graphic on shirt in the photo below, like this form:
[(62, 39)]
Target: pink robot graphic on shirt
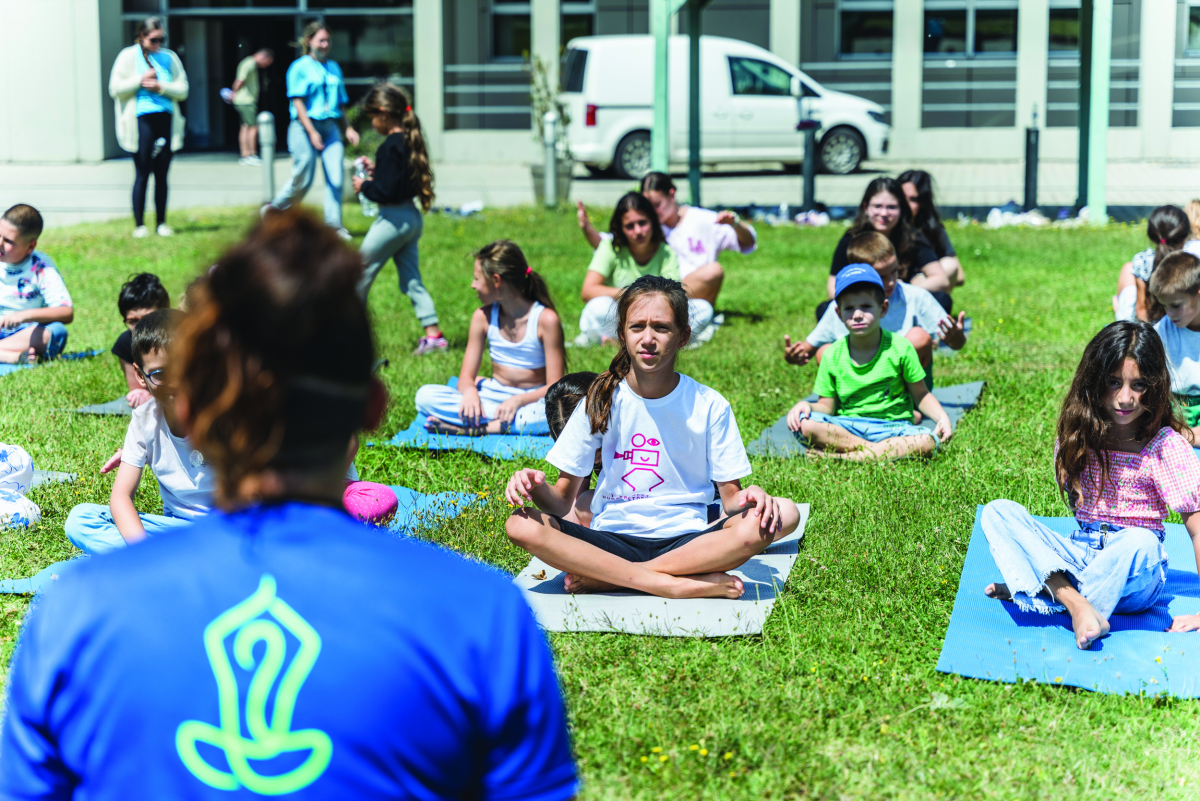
[(643, 460)]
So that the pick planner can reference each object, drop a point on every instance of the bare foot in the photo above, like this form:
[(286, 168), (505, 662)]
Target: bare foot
[(436, 426), (576, 584), (999, 591), (710, 585), (1089, 625)]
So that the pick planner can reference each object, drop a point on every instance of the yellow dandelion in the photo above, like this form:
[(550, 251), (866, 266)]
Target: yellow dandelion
[(662, 758), (727, 755), (1058, 679), (693, 747), (732, 774), (703, 752), (656, 750), (645, 759), (1158, 659), (883, 728)]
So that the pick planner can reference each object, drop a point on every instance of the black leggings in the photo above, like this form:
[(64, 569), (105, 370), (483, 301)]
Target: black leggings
[(151, 129)]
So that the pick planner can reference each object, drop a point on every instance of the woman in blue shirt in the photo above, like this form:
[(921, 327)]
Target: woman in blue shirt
[(147, 83), (317, 93)]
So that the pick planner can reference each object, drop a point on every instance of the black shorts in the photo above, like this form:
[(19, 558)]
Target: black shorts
[(630, 547)]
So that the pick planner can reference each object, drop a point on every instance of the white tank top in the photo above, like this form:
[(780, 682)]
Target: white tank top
[(528, 353)]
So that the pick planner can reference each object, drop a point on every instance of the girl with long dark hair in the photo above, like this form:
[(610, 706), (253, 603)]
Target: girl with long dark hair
[(918, 191), (665, 440), (523, 336), (1123, 461)]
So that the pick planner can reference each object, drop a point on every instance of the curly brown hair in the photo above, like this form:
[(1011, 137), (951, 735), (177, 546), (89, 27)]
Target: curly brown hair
[(275, 356), (1084, 427)]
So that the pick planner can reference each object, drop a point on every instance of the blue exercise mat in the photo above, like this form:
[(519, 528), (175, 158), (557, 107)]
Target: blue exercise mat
[(416, 508), (42, 579), (497, 446), (995, 640), (5, 369)]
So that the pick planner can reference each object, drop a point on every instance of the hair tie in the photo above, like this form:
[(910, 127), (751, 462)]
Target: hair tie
[(407, 108), (528, 271), (1162, 241)]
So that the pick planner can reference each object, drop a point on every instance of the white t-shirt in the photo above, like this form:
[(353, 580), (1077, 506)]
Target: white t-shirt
[(908, 307), (32, 284), (1183, 356), (185, 482), (1143, 263), (698, 239), (660, 459)]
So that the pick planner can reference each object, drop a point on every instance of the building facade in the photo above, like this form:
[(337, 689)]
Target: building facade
[(960, 79)]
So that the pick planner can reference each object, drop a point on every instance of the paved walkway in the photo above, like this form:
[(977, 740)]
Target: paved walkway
[(70, 193)]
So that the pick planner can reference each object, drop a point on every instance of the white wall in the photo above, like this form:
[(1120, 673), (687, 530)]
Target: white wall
[(54, 77)]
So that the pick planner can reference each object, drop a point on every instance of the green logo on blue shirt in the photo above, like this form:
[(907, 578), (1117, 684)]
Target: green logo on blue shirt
[(248, 623)]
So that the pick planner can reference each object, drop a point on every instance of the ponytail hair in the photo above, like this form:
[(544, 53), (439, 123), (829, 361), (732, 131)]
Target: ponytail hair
[(634, 201), (505, 259), (274, 359), (600, 393), (394, 103)]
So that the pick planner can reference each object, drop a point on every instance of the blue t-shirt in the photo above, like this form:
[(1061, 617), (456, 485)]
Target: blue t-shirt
[(284, 650), (319, 85), (151, 102)]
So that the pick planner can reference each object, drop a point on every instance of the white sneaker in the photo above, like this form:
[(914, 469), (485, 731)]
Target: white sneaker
[(585, 341), (344, 234), (141, 232), (252, 161), (164, 230)]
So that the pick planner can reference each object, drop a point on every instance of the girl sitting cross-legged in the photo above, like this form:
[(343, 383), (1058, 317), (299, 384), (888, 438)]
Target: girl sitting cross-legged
[(524, 338), (664, 439), (1123, 463)]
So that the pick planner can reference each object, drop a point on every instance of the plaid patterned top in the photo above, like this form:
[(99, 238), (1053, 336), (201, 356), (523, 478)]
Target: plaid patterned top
[(1143, 488)]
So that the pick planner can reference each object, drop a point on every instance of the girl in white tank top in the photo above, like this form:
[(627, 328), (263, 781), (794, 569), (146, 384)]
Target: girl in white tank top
[(524, 338)]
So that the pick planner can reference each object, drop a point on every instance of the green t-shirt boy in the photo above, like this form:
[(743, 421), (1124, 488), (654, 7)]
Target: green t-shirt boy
[(876, 389)]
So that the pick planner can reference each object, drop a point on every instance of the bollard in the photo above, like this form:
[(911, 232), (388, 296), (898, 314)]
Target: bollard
[(1031, 166), (266, 144), (550, 173)]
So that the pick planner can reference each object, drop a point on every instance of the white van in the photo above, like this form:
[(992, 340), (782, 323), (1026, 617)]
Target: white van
[(750, 105)]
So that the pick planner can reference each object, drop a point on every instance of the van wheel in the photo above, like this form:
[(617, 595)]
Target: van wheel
[(632, 159), (842, 150)]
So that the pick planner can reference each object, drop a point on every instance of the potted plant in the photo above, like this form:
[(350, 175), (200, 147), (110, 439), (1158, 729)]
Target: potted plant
[(543, 97)]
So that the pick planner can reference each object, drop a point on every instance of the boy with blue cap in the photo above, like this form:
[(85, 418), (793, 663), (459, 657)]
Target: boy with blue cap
[(868, 383)]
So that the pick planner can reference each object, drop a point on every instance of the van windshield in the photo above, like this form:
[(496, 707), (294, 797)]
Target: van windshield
[(574, 64)]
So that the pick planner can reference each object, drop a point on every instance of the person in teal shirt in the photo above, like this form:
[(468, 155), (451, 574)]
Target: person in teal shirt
[(317, 93)]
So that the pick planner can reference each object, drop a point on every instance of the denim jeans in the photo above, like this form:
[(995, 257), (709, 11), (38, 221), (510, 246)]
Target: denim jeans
[(873, 430), (304, 168), (91, 529), (599, 318), (394, 235), (445, 403), (56, 336), (1118, 570)]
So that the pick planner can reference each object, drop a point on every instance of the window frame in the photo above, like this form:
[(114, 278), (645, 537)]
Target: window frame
[(862, 5), (733, 83), (970, 7), (1189, 52)]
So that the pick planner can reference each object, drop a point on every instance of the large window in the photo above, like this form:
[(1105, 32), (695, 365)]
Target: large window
[(846, 45), (865, 33), (576, 19), (1062, 86), (754, 77), (963, 30), (969, 78), (511, 30)]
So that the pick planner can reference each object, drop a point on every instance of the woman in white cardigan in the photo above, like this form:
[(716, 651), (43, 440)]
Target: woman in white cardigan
[(147, 83)]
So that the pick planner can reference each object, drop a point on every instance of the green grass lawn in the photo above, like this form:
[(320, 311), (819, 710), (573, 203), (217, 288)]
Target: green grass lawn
[(832, 701)]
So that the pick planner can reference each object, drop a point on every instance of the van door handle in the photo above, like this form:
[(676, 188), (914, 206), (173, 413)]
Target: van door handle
[(746, 115)]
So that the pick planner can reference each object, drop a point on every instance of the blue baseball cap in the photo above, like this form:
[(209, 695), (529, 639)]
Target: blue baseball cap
[(855, 274)]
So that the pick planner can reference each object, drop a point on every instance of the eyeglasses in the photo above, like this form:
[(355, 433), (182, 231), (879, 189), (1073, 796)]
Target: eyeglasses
[(157, 40), (155, 377)]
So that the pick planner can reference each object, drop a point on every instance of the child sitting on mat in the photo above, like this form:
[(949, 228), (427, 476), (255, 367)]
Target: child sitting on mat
[(561, 399), (1123, 460), (524, 339), (868, 384), (139, 296), (1176, 287), (664, 439), (155, 439), (35, 306), (912, 313)]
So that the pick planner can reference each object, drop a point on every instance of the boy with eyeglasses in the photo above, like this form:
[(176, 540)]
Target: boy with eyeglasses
[(155, 439)]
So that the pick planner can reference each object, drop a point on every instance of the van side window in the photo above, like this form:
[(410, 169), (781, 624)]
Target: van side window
[(573, 69), (753, 77)]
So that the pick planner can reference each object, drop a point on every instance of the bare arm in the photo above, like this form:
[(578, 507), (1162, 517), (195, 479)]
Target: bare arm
[(351, 132), (1143, 301), (929, 405), (530, 485), (46, 314), (800, 353), (953, 267), (131, 376), (120, 503), (302, 116), (594, 287), (238, 84), (932, 278), (1190, 622), (585, 225), (803, 410), (745, 234), (829, 286), (472, 407)]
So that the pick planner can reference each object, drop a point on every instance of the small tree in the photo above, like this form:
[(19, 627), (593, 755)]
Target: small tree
[(543, 97)]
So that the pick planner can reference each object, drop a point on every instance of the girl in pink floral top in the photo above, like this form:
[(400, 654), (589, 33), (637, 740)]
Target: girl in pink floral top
[(1123, 461)]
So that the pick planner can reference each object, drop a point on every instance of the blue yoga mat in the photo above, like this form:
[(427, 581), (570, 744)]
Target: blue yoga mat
[(5, 369), (415, 509), (497, 446), (994, 640)]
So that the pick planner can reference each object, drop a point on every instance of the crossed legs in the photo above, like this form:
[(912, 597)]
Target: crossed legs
[(704, 283), (695, 570), (832, 441)]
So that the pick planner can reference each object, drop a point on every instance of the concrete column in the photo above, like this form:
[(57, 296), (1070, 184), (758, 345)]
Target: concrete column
[(1097, 197), (1156, 77), (785, 30), (908, 41), (546, 31), (1033, 34), (427, 71)]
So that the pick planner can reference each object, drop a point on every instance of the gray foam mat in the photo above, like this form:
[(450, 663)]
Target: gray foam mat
[(637, 613), (51, 477), (118, 407), (780, 441)]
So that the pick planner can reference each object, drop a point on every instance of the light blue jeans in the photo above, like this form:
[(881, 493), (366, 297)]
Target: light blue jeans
[(91, 529), (304, 168), (1118, 570), (394, 235), (873, 430), (56, 336)]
